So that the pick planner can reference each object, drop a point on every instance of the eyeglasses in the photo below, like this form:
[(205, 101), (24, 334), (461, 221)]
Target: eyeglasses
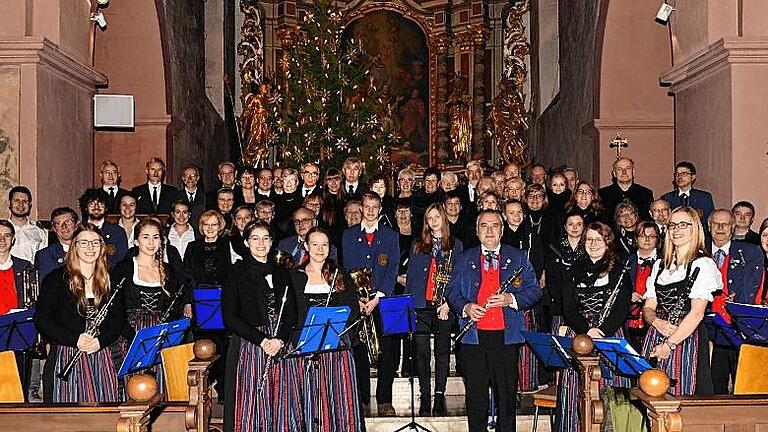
[(595, 240), (584, 192), (720, 225), (302, 221), (265, 177), (311, 173), (683, 174), (627, 214), (648, 236), (536, 196), (260, 239), (64, 223), (85, 244), (680, 225)]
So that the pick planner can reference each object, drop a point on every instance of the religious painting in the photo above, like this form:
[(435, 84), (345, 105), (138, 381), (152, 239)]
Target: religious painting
[(398, 57)]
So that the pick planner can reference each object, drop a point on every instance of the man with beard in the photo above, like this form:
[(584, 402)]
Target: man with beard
[(29, 237), (110, 180), (625, 188), (154, 196), (93, 205), (64, 221)]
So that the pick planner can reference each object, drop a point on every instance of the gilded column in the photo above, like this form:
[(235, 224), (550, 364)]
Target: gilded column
[(440, 46), (479, 35)]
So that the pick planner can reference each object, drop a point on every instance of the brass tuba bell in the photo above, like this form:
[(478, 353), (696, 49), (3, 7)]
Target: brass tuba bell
[(284, 260), (361, 277)]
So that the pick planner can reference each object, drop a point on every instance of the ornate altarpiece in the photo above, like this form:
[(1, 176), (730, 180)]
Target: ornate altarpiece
[(481, 44)]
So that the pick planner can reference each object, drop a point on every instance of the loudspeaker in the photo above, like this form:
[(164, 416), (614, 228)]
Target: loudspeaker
[(113, 111)]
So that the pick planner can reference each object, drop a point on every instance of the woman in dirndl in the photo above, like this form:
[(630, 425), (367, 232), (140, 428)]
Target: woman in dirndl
[(259, 308), (71, 297), (674, 308), (329, 387), (596, 300), (152, 288)]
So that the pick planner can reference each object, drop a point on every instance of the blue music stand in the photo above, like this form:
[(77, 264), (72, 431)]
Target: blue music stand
[(721, 333), (398, 315), (18, 331), (145, 348), (206, 301), (550, 350), (750, 320), (322, 330), (621, 357)]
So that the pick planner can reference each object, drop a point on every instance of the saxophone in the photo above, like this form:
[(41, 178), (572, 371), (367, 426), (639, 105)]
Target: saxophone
[(441, 278), (361, 277)]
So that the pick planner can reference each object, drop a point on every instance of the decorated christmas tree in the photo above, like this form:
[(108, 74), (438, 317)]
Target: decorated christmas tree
[(324, 108)]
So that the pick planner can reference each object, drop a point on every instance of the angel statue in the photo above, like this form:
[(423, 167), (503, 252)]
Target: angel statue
[(508, 123), (255, 128), (460, 118)]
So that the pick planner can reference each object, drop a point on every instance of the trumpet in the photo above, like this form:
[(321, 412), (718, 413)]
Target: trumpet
[(361, 277), (441, 278)]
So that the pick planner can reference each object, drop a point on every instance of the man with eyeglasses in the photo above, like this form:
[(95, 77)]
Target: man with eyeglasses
[(226, 173), (191, 193), (624, 188), (264, 186), (741, 265), (640, 265), (303, 221), (377, 247), (93, 207), (660, 212), (64, 221), (686, 195), (310, 174)]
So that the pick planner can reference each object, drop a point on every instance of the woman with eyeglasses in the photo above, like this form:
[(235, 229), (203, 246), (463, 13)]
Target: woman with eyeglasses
[(543, 223), (329, 384), (640, 264), (70, 298), (596, 300), (586, 202), (625, 217), (151, 286), (259, 308), (674, 308)]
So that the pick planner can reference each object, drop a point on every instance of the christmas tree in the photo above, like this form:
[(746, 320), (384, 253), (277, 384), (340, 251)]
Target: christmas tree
[(325, 110)]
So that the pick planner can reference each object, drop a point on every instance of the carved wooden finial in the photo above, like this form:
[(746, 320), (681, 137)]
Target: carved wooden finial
[(142, 388), (654, 382), (583, 345), (204, 349)]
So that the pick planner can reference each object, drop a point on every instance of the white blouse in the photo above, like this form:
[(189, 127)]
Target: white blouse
[(709, 280), (320, 288)]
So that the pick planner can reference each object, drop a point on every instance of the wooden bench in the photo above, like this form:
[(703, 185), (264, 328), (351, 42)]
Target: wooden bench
[(143, 410)]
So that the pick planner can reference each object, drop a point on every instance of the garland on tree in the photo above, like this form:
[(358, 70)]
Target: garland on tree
[(325, 108)]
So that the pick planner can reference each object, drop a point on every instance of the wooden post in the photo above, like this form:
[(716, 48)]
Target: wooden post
[(663, 410), (590, 405), (199, 407), (142, 399)]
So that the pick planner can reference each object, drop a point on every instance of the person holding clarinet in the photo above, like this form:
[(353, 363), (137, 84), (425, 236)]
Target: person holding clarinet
[(491, 286)]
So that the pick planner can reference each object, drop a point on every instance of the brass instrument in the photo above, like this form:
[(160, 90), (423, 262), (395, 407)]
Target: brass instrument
[(441, 278), (30, 286), (361, 277), (284, 260)]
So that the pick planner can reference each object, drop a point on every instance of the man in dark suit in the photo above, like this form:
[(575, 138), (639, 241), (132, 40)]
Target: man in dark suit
[(264, 186), (154, 196), (353, 188), (310, 174), (490, 348), (741, 264), (468, 192), (684, 193), (110, 180), (457, 220), (227, 174), (744, 212), (93, 205), (192, 194), (64, 221), (625, 188), (376, 247)]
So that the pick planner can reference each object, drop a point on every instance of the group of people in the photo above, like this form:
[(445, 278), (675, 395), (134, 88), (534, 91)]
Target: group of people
[(486, 256)]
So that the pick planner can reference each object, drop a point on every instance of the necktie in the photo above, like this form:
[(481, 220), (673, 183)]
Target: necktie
[(298, 253), (685, 200), (112, 192), (644, 263), (154, 196), (720, 258), (306, 192), (351, 190), (491, 259), (191, 197)]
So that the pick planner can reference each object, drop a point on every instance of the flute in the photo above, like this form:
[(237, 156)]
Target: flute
[(271, 359)]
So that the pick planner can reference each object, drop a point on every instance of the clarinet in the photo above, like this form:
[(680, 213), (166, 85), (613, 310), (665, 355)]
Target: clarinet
[(502, 288), (271, 359), (92, 330), (677, 309), (612, 298), (176, 296)]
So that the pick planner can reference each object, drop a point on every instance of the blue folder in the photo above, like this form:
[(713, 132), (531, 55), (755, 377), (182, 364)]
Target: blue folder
[(17, 330), (398, 315), (321, 329), (145, 348), (750, 320), (721, 333), (206, 300), (621, 357), (550, 349)]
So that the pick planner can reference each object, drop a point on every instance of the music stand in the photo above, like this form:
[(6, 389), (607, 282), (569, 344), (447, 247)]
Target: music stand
[(145, 348), (721, 333), (18, 331), (550, 350), (621, 357), (750, 320), (398, 316), (206, 301)]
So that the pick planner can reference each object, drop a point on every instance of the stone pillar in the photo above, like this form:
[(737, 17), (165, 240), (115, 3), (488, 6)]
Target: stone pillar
[(718, 81), (47, 84), (440, 47), (479, 35)]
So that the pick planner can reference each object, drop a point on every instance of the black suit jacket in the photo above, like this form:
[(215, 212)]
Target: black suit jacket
[(356, 194), (196, 207), (145, 205), (113, 204), (640, 196)]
